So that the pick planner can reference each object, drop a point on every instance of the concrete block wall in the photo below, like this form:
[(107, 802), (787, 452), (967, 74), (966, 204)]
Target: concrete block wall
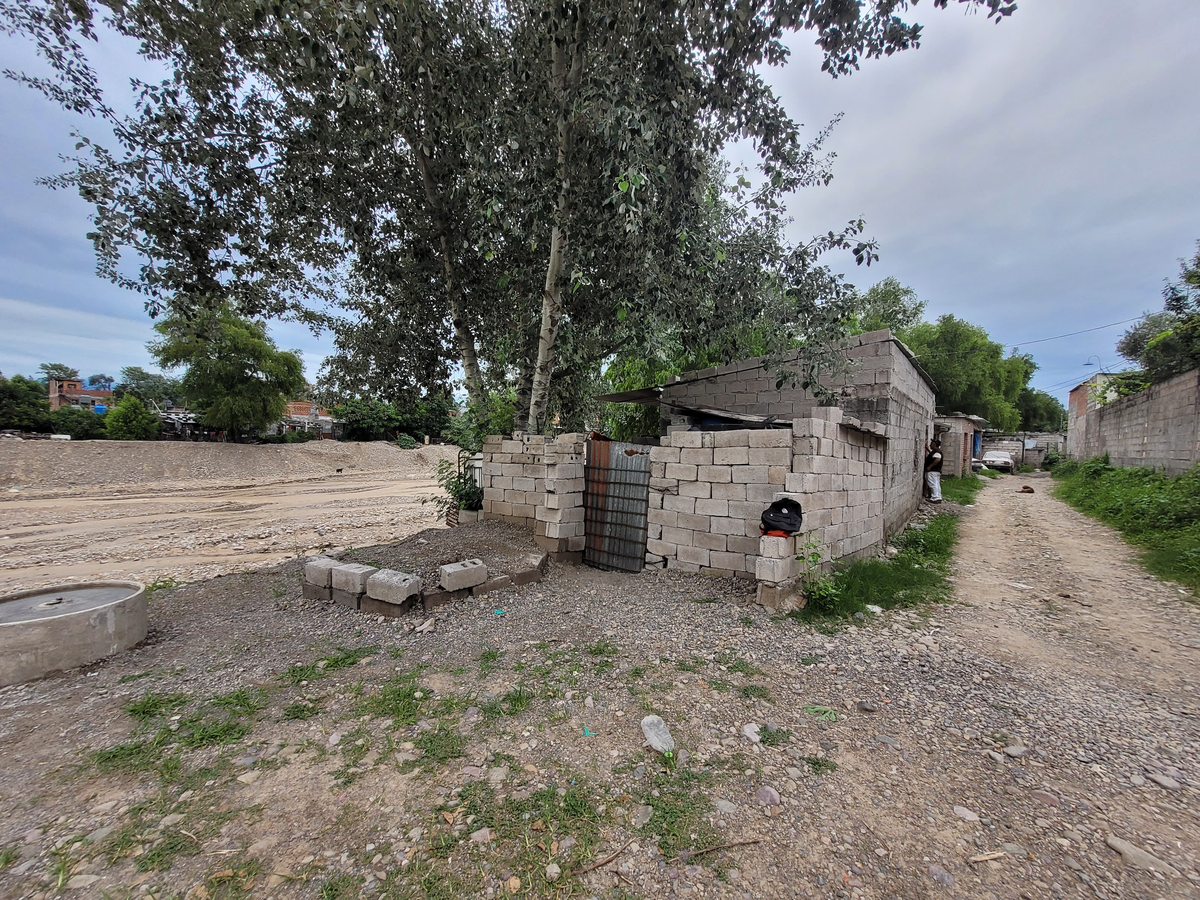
[(707, 493), (884, 387), (839, 475), (1158, 428), (536, 482)]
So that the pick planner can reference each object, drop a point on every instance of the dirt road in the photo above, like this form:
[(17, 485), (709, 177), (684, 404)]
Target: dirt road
[(1038, 738), (193, 532)]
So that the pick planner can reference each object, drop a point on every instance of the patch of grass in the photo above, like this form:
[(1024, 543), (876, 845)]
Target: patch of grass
[(197, 732), (173, 843), (809, 660), (341, 887), (754, 692), (1024, 469), (989, 473), (961, 490), (155, 705), (679, 817), (441, 745), (1159, 514), (133, 756), (747, 621), (739, 666), (604, 665), (824, 713), (820, 766), (694, 665), (396, 699), (637, 672), (343, 658), (513, 703), (489, 661), (301, 710), (916, 575), (242, 702), (776, 738), (705, 600), (603, 648), (8, 856), (234, 882), (719, 684)]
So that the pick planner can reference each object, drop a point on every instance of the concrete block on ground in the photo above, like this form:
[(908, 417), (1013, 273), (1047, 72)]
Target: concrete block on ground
[(352, 578), (775, 571), (432, 599), (373, 607), (313, 592), (348, 599), (495, 583), (390, 586), (781, 597), (465, 574), (776, 547), (318, 571)]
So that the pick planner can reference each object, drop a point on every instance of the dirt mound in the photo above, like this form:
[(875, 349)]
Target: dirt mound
[(75, 466)]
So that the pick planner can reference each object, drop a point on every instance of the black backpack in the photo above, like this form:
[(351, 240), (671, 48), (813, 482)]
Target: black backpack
[(783, 515)]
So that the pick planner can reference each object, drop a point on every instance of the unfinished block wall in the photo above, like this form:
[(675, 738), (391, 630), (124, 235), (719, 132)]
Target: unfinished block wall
[(536, 482), (707, 492)]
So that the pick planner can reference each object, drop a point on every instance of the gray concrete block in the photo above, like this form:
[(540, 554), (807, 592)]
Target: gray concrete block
[(465, 574), (496, 583), (319, 570), (348, 599), (352, 577), (391, 586), (432, 599), (373, 607), (313, 592)]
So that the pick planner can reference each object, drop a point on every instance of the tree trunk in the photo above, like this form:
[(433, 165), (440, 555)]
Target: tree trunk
[(524, 392), (464, 340), (569, 53)]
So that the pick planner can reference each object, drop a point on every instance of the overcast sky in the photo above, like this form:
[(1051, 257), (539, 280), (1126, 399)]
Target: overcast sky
[(1036, 177)]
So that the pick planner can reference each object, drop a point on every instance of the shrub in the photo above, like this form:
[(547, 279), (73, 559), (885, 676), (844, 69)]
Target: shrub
[(129, 420), (406, 442), (80, 424), (1051, 459)]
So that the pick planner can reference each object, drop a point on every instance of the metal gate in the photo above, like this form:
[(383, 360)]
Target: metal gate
[(616, 505)]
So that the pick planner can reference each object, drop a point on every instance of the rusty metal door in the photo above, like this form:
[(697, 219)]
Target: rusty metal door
[(616, 505)]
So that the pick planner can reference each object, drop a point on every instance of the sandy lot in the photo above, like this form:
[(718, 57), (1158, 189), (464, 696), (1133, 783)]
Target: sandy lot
[(1037, 738), (159, 510)]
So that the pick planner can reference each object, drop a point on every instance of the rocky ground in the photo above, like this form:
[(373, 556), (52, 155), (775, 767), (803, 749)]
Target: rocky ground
[(1036, 738)]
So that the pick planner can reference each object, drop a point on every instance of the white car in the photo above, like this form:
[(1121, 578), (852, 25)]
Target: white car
[(995, 459)]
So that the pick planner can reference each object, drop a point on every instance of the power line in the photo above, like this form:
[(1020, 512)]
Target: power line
[(1018, 344)]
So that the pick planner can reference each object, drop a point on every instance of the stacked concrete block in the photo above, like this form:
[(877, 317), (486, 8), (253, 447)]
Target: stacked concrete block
[(536, 482), (349, 582), (390, 593), (318, 578), (707, 498), (778, 572), (838, 474), (559, 522)]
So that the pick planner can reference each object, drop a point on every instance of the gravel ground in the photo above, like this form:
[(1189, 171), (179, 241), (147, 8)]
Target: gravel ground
[(1007, 745)]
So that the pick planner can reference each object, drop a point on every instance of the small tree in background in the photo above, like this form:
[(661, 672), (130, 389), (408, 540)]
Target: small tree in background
[(129, 420), (236, 377), (80, 424), (149, 386), (23, 404), (101, 382)]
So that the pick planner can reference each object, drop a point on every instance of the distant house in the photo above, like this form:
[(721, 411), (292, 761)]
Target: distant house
[(302, 415), (961, 436), (72, 393)]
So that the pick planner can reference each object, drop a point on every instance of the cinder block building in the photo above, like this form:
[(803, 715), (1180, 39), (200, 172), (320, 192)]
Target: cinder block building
[(736, 441)]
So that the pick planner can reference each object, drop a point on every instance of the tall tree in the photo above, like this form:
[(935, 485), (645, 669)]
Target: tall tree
[(101, 382), (236, 377), (23, 404), (491, 162), (58, 372), (1167, 343), (970, 370), (149, 387), (889, 304)]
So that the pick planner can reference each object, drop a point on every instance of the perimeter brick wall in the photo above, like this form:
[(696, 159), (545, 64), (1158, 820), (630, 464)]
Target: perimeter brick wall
[(1158, 428)]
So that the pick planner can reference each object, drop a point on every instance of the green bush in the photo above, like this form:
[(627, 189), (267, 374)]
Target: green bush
[(1051, 459), (1159, 513), (291, 437), (129, 420), (80, 424), (406, 442)]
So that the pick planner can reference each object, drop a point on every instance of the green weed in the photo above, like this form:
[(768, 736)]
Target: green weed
[(440, 745), (989, 473), (820, 766), (824, 713), (679, 813), (341, 887), (342, 659), (396, 699), (603, 648), (488, 662), (515, 702), (136, 676), (8, 856), (776, 738), (173, 843), (301, 710), (242, 702), (155, 705), (161, 584), (197, 732), (739, 666)]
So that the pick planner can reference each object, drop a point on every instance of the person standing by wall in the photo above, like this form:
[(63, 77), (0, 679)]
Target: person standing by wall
[(933, 470)]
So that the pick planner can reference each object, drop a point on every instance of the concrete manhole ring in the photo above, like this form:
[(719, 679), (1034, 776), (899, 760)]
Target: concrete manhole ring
[(51, 629)]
